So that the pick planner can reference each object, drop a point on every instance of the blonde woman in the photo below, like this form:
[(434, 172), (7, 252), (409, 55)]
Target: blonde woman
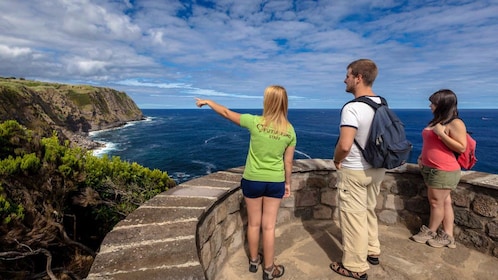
[(267, 173)]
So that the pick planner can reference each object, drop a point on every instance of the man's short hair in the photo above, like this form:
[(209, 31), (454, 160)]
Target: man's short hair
[(366, 68)]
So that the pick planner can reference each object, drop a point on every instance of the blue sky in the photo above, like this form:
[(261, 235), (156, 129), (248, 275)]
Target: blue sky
[(163, 53)]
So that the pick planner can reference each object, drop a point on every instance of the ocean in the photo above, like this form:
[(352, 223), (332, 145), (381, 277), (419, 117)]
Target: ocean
[(189, 143)]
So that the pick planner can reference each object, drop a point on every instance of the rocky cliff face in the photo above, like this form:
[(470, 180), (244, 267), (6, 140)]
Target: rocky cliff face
[(71, 110)]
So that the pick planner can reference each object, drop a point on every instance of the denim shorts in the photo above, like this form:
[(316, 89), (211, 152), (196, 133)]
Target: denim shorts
[(438, 179), (255, 189)]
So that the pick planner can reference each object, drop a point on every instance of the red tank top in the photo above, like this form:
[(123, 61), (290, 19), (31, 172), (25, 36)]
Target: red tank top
[(436, 154)]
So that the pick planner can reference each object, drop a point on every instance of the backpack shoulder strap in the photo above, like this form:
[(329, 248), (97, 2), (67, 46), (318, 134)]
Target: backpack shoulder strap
[(374, 105), (370, 102)]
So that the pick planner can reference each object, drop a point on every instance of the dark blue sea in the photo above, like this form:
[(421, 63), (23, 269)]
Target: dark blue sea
[(189, 143)]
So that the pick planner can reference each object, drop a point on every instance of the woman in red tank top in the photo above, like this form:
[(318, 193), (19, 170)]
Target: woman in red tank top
[(444, 135)]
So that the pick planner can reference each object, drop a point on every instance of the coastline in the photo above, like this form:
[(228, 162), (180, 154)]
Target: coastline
[(99, 148)]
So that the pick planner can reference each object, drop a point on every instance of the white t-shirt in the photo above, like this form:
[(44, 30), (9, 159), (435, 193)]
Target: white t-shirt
[(358, 115)]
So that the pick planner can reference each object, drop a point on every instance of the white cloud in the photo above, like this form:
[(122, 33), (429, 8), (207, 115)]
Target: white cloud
[(231, 50), (7, 52)]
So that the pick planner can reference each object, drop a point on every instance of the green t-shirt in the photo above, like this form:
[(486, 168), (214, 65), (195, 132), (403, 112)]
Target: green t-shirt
[(265, 159)]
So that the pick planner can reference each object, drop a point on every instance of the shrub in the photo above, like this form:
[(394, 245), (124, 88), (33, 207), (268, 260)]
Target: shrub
[(44, 182)]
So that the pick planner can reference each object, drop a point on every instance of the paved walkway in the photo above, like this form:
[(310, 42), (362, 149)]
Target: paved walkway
[(306, 250)]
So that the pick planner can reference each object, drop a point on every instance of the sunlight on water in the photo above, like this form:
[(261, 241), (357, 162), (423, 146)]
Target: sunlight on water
[(192, 143)]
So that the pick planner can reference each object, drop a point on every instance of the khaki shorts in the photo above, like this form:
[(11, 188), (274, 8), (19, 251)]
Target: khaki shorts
[(438, 179)]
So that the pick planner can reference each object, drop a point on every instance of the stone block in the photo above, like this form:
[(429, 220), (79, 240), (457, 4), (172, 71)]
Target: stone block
[(220, 212), (206, 256), (307, 198), (236, 241), (171, 201), (217, 239), (288, 202), (221, 258), (153, 231), (417, 204), (332, 179), (234, 202), (329, 197), (316, 181), (322, 212), (147, 256), (225, 176), (299, 181), (394, 202), (476, 240), (468, 219), (492, 229), (407, 187), (462, 197), (149, 215), (196, 191), (389, 217), (485, 206), (284, 215), (231, 225), (206, 229), (304, 213)]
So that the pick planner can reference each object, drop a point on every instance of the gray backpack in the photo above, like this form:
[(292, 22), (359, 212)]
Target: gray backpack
[(386, 146)]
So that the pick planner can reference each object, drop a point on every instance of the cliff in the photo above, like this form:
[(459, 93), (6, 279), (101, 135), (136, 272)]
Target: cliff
[(71, 110)]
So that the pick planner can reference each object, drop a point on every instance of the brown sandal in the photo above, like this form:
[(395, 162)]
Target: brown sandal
[(275, 271), (340, 269), (253, 265)]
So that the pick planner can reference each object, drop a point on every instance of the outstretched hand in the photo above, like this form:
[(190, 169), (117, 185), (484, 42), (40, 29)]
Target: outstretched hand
[(200, 102)]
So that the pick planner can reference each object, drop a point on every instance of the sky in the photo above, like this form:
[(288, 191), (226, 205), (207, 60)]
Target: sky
[(164, 53)]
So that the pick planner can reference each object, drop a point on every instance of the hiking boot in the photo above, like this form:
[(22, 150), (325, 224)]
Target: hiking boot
[(275, 271), (423, 235), (442, 239), (253, 265)]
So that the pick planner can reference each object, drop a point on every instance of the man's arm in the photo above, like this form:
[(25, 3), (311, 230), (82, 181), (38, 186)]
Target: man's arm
[(346, 140)]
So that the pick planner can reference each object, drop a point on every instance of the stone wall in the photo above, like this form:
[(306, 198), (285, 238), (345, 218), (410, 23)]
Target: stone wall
[(188, 232)]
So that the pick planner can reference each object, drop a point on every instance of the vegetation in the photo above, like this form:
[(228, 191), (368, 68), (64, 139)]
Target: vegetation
[(58, 202), (71, 110)]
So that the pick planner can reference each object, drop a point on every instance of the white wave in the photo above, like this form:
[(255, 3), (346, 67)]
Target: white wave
[(209, 166), (128, 124), (301, 153), (97, 132), (108, 146), (213, 138)]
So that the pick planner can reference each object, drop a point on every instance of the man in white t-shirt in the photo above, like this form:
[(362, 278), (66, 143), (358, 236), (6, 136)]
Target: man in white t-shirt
[(358, 184)]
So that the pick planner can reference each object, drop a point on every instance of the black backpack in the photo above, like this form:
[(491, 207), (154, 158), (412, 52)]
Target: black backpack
[(386, 146)]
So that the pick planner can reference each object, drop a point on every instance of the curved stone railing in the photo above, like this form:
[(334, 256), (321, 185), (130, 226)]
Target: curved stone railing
[(189, 231)]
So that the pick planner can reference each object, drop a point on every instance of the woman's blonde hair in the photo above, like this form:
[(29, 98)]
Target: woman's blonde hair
[(275, 106)]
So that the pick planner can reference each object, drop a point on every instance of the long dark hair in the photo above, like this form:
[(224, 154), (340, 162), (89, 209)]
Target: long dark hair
[(446, 110)]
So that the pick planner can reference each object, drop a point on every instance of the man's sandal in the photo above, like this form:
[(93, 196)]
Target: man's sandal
[(253, 265), (373, 259), (275, 271), (340, 269)]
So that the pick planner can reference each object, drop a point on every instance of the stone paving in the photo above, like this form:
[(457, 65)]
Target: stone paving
[(306, 250)]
